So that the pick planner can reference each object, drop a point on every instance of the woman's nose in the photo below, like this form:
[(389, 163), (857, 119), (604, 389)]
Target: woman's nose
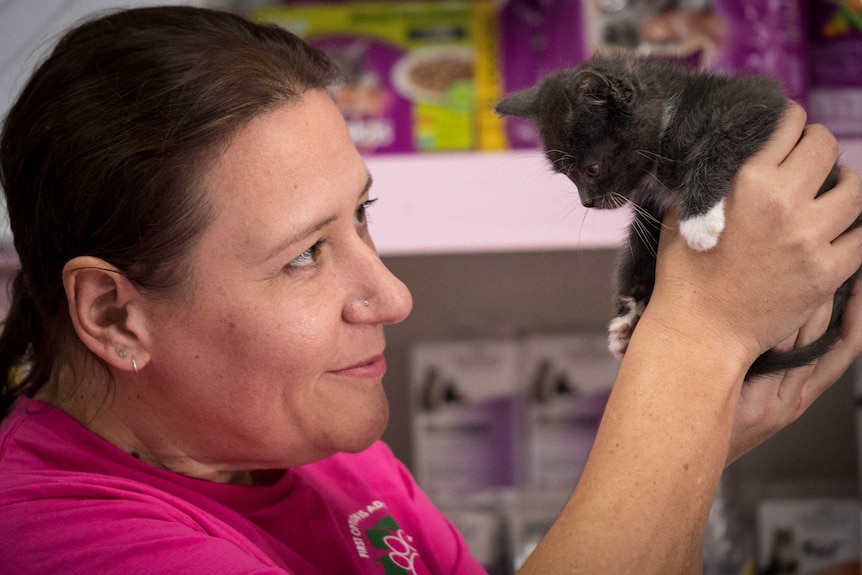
[(381, 298)]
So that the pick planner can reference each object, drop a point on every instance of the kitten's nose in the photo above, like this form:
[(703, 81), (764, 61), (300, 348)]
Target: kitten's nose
[(587, 200)]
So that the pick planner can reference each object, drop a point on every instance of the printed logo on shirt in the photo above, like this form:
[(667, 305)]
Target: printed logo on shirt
[(399, 556)]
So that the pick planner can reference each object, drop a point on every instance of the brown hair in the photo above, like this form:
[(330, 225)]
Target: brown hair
[(102, 154)]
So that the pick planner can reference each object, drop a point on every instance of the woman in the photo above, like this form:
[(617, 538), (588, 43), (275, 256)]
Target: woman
[(195, 344)]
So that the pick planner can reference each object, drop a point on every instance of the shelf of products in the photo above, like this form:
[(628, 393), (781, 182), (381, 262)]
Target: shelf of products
[(477, 202), (481, 202)]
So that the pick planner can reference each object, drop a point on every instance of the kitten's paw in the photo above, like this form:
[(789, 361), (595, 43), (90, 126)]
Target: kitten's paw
[(621, 327), (701, 232)]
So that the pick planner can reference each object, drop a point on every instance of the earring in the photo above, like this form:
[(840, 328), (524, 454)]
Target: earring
[(121, 352), (134, 364), (365, 303)]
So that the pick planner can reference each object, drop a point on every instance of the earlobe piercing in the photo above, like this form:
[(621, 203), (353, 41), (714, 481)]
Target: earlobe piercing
[(365, 303), (122, 353)]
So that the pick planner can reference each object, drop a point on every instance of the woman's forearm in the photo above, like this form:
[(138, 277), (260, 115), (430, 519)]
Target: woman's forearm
[(642, 501)]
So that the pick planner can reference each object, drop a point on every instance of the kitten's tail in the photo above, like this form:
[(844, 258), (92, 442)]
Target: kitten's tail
[(776, 360)]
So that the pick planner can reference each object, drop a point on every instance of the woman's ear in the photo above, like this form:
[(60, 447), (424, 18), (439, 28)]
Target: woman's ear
[(107, 312)]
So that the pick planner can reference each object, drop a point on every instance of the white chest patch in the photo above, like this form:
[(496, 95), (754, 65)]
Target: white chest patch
[(701, 232)]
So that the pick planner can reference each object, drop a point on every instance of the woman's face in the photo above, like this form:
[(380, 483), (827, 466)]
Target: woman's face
[(274, 360)]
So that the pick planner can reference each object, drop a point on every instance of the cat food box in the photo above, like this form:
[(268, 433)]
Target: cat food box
[(808, 536), (565, 382), (482, 519), (462, 411), (419, 76), (733, 36), (536, 39), (836, 65)]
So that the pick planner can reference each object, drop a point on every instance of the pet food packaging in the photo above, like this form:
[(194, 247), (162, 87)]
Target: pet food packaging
[(836, 65), (565, 381), (808, 536), (537, 37), (732, 36), (419, 76), (482, 519), (462, 406)]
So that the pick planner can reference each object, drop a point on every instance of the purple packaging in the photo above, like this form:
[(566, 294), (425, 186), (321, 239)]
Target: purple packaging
[(767, 38), (463, 415), (419, 76), (733, 36), (836, 65), (537, 37)]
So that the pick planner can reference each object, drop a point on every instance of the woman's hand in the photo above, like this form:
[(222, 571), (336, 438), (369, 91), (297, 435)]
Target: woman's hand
[(782, 254), (769, 403), (665, 436)]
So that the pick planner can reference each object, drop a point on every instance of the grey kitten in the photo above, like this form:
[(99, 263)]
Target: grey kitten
[(655, 134)]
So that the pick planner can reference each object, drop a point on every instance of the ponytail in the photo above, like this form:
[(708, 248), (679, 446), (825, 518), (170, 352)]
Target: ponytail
[(21, 340)]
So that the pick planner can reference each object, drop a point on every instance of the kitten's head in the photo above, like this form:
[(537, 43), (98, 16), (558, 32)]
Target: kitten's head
[(597, 127)]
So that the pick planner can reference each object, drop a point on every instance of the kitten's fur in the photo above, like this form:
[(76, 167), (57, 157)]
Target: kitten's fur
[(655, 134)]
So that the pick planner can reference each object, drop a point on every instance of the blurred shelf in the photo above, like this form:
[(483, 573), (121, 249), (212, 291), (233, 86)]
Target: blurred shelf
[(482, 202), (477, 202)]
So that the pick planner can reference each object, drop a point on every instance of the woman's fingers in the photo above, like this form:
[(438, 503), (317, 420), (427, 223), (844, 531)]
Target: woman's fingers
[(813, 158), (832, 365), (843, 202), (769, 403), (784, 139)]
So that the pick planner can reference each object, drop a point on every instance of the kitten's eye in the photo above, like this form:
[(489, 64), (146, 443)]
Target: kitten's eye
[(592, 170)]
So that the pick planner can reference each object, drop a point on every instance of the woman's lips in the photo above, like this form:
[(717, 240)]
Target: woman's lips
[(372, 368)]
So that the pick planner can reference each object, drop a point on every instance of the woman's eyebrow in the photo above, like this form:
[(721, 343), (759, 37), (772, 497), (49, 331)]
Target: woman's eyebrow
[(312, 228)]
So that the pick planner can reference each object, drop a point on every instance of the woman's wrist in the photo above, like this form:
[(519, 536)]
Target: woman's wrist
[(685, 326)]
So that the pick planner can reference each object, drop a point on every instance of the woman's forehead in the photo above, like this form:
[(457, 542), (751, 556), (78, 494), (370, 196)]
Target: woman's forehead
[(286, 168), (297, 143)]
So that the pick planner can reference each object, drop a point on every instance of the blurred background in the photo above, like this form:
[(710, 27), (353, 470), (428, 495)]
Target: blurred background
[(497, 380)]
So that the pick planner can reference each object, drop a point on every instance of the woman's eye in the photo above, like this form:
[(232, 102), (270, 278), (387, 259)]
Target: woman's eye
[(306, 258), (360, 218)]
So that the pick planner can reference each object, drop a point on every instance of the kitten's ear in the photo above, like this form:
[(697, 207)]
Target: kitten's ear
[(600, 88), (524, 103)]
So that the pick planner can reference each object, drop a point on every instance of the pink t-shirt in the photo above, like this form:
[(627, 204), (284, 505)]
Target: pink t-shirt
[(70, 502)]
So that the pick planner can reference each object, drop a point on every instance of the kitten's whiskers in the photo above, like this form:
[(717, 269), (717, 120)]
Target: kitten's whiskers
[(559, 164), (655, 156), (639, 223)]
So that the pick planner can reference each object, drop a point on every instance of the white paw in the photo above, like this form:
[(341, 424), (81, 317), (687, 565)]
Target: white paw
[(701, 232), (621, 327)]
